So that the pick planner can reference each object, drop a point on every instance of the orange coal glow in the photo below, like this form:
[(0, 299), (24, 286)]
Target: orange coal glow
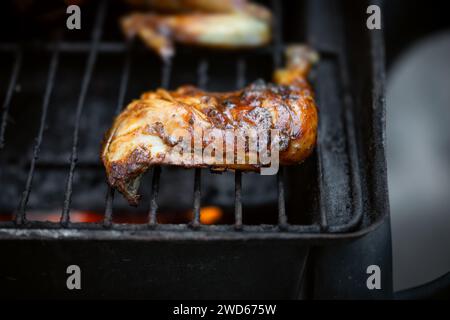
[(75, 216), (55, 216), (210, 215)]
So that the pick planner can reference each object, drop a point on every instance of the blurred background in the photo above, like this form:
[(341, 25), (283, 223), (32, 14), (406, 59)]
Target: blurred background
[(418, 136)]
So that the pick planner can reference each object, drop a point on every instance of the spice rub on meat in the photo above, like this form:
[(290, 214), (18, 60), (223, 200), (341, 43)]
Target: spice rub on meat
[(147, 132)]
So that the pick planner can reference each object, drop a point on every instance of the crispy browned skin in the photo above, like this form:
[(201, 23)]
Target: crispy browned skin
[(146, 133), (244, 26)]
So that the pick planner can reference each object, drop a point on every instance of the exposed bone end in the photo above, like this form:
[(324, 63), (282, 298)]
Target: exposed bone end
[(301, 56)]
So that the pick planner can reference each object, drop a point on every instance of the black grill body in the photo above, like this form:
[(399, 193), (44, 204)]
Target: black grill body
[(307, 217)]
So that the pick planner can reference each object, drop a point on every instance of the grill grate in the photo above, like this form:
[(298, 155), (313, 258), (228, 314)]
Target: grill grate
[(121, 99), (282, 229), (96, 35), (9, 94), (21, 213)]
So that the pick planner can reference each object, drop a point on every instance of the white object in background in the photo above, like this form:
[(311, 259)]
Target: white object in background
[(418, 155)]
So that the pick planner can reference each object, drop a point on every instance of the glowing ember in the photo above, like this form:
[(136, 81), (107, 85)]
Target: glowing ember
[(75, 216), (210, 215)]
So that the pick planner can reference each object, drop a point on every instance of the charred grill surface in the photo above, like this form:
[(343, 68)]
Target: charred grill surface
[(325, 198)]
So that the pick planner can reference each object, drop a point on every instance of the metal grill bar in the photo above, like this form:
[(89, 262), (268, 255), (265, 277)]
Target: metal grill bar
[(197, 197), (96, 34), (154, 195), (311, 228), (165, 83), (103, 47), (21, 214), (322, 211), (238, 200), (165, 73), (241, 69), (277, 60), (282, 218), (202, 74), (107, 220), (277, 33), (9, 94), (120, 102), (240, 83), (202, 80)]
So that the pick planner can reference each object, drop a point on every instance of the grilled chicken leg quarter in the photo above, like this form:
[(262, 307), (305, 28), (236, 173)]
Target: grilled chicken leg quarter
[(146, 133)]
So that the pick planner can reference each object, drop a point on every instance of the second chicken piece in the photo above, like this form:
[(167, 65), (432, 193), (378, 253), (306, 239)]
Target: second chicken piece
[(231, 26)]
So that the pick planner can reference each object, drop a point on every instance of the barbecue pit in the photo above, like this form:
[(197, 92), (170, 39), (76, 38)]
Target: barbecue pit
[(61, 92)]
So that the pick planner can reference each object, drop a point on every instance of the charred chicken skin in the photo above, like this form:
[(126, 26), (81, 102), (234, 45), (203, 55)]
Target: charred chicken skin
[(147, 132), (225, 25)]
